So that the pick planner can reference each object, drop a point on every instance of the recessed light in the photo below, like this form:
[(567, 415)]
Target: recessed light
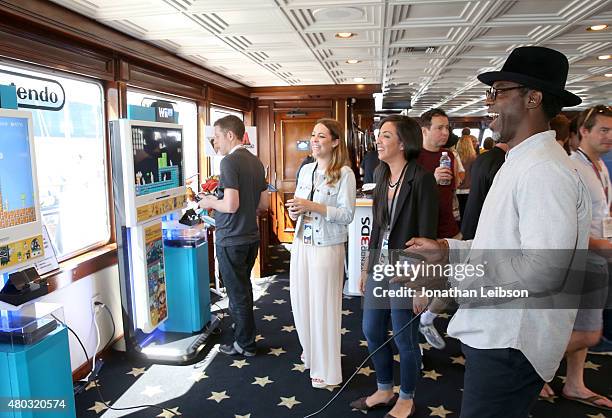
[(597, 27), (345, 35), (358, 79), (357, 61), (608, 74), (604, 57)]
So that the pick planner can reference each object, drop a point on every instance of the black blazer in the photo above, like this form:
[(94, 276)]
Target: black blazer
[(416, 213)]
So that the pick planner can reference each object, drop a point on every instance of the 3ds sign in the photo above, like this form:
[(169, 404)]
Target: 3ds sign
[(35, 92)]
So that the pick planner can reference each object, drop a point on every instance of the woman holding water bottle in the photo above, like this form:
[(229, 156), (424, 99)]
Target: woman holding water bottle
[(323, 205), (405, 206)]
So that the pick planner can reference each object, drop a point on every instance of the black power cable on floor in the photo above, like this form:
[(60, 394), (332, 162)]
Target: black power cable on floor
[(364, 362), (96, 383)]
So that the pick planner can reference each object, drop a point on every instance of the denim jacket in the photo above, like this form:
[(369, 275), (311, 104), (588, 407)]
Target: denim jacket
[(339, 198)]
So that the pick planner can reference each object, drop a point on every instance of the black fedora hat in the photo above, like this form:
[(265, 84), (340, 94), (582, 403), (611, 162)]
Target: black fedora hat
[(536, 67)]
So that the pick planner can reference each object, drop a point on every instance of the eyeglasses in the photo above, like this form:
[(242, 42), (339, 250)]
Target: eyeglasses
[(597, 109), (491, 93)]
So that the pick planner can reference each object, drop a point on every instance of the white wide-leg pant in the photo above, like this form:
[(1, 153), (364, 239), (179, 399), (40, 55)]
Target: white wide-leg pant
[(316, 275)]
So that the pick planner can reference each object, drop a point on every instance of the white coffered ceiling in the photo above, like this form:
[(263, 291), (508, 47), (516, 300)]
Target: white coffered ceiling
[(426, 52)]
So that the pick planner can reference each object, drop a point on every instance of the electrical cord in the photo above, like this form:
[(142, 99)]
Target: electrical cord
[(96, 383), (364, 362)]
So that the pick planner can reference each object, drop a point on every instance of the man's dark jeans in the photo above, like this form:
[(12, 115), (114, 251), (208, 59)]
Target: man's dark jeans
[(498, 383), (235, 264)]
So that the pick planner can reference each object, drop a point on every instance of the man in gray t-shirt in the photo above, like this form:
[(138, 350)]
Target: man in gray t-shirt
[(242, 193)]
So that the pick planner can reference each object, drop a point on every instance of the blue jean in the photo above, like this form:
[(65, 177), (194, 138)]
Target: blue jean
[(375, 324), (235, 265)]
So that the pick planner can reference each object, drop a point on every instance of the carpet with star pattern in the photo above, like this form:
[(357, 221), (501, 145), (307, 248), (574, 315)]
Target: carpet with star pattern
[(274, 383)]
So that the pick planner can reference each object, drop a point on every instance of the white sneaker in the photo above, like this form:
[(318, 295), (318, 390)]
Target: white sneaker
[(432, 336)]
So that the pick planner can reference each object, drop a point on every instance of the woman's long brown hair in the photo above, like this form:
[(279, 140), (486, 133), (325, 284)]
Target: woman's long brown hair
[(339, 154)]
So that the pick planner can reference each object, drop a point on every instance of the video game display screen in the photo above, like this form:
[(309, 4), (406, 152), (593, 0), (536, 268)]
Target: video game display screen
[(158, 159), (17, 205)]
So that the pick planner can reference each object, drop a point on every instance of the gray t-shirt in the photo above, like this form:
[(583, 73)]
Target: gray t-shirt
[(242, 171)]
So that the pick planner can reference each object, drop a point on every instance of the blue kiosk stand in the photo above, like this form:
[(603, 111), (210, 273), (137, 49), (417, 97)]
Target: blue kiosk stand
[(36, 377), (35, 373)]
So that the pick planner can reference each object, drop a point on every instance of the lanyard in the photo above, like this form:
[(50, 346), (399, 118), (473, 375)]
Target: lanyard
[(311, 194), (391, 209), (597, 173)]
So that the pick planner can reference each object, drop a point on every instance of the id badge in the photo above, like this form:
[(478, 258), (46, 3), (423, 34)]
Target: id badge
[(384, 250), (607, 227), (307, 234)]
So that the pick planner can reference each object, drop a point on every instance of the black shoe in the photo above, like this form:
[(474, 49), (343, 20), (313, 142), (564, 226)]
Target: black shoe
[(234, 350)]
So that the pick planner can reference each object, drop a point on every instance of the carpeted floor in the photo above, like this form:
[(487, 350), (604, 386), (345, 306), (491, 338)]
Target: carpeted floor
[(274, 384)]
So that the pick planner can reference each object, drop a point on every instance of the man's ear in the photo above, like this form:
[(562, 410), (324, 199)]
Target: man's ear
[(583, 132), (534, 99)]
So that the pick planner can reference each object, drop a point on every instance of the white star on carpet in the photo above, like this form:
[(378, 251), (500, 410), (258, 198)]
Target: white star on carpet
[(259, 338), (288, 328), (431, 374), (151, 391), (243, 416), (299, 367), (458, 360), (396, 389), (262, 381), (332, 387), (279, 301), (255, 307), (562, 379), (425, 346), (286, 288), (396, 358), (347, 312), (136, 372), (269, 318), (218, 396), (277, 351), (197, 376), (170, 412), (344, 331), (439, 411), (390, 333), (366, 371), (549, 399), (92, 384), (592, 366), (239, 364), (600, 415), (98, 407), (288, 402), (363, 343), (360, 410), (443, 315)]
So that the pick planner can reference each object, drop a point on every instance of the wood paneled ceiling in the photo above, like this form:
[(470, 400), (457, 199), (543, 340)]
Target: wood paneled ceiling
[(424, 52)]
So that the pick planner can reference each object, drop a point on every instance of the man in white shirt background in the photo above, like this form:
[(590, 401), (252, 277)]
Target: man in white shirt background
[(537, 203), (596, 132)]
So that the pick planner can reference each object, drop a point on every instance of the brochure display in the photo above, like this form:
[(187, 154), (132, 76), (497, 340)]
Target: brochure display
[(358, 242), (21, 239)]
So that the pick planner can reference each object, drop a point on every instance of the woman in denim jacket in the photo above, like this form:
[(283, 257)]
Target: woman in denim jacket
[(405, 206), (323, 205)]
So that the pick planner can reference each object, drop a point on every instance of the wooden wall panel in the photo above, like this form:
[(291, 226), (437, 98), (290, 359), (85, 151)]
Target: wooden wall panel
[(225, 98), (154, 80)]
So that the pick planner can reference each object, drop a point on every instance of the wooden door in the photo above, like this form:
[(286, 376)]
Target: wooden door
[(288, 133)]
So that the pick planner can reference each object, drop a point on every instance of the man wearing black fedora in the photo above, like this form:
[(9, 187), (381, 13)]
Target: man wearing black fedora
[(536, 202)]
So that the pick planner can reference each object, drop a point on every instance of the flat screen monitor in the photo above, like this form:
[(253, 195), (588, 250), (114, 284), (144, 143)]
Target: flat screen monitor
[(152, 167), (20, 220)]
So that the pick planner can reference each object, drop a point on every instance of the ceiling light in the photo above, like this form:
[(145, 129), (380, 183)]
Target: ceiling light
[(345, 35), (597, 27), (358, 79), (604, 57), (608, 74), (357, 61)]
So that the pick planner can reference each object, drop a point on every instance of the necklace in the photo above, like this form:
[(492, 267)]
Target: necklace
[(394, 185)]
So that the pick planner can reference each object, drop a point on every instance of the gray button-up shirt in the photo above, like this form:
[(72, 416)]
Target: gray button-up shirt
[(537, 202)]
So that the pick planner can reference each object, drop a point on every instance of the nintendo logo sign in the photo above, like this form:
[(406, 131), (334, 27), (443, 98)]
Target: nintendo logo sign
[(35, 92)]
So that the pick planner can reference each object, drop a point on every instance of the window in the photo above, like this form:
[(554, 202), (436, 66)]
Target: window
[(217, 113), (187, 116), (70, 160)]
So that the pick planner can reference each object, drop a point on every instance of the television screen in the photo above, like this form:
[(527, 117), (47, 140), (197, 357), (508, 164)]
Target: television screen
[(158, 159), (16, 183)]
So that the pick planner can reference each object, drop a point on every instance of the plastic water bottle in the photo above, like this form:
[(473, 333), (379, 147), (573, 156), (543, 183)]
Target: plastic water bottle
[(445, 162)]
